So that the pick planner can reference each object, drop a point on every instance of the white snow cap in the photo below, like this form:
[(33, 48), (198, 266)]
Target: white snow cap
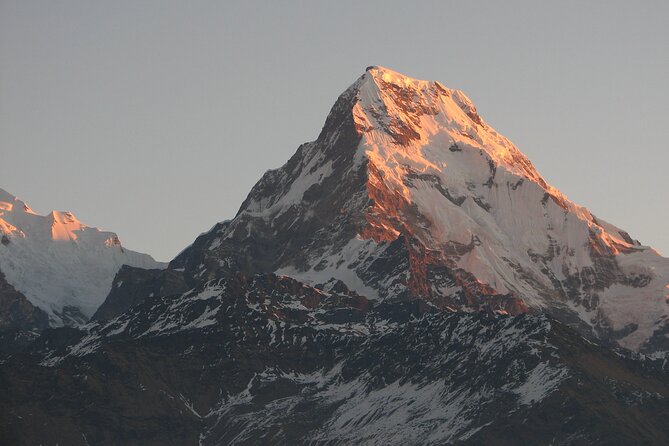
[(57, 262), (427, 147)]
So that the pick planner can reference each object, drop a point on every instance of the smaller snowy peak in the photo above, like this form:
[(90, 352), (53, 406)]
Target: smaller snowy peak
[(64, 225), (60, 264), (17, 218), (389, 76), (10, 203)]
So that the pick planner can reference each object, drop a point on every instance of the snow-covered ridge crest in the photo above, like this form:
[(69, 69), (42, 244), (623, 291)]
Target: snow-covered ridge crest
[(415, 111), (473, 187), (418, 113), (408, 191), (60, 264)]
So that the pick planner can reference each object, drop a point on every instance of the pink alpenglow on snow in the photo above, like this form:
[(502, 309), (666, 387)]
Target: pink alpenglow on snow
[(61, 265)]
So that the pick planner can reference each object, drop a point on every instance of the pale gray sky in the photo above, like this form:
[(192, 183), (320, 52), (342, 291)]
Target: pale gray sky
[(154, 118)]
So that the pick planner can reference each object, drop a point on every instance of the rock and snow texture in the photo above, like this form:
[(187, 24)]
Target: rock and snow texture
[(320, 314), (473, 186), (61, 265), (408, 191), (266, 359)]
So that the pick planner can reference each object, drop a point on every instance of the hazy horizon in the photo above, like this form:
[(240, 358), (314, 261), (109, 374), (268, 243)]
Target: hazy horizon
[(155, 119)]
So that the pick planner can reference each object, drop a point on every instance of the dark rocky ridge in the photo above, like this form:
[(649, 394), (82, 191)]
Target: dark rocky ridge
[(313, 225), (16, 312), (20, 321), (284, 363), (133, 285)]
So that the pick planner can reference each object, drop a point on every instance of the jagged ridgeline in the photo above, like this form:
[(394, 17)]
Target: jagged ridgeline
[(409, 193), (407, 278)]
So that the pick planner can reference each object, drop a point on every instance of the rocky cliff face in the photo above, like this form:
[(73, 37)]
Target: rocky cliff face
[(16, 312), (20, 321)]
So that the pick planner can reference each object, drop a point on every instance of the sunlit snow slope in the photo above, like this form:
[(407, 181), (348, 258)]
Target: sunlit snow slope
[(61, 265), (409, 192), (476, 190)]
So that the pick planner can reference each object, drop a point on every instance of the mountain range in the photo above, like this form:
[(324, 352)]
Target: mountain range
[(407, 277)]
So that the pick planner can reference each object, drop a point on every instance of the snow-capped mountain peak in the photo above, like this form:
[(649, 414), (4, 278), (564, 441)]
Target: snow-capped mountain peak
[(413, 112), (60, 264), (409, 124), (409, 192), (361, 295)]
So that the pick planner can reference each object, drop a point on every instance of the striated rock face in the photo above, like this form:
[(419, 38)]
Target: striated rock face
[(408, 192)]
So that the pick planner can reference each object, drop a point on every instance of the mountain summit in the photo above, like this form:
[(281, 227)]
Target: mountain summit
[(408, 192), (407, 278), (62, 266)]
